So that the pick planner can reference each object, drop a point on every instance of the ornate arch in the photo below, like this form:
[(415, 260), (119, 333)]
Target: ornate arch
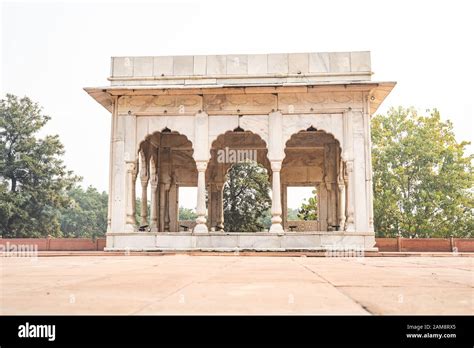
[(257, 124), (148, 125), (219, 143), (329, 123)]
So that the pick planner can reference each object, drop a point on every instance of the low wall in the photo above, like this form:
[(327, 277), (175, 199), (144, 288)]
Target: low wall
[(57, 244), (384, 244), (425, 244)]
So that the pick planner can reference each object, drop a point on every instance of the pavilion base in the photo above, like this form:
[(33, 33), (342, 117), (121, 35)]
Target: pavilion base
[(241, 241)]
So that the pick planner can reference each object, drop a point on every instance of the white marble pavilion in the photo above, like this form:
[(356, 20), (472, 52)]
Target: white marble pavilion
[(306, 116)]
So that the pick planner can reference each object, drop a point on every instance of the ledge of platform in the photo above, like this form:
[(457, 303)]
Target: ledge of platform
[(241, 241)]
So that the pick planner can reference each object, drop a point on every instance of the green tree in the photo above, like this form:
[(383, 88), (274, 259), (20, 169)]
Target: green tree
[(265, 220), (86, 215), (292, 214), (33, 177), (187, 214), (246, 198), (309, 210), (423, 180)]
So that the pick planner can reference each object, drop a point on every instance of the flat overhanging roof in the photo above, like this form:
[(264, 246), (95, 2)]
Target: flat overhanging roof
[(378, 90)]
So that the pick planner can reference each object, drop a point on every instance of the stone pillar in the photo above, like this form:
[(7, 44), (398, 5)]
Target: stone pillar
[(350, 226), (201, 157), (130, 225), (154, 194), (167, 208), (284, 205), (368, 165), (201, 226), (330, 180), (172, 210), (348, 158), (276, 226), (276, 154), (341, 204), (220, 206), (162, 205), (113, 123), (118, 192), (215, 206), (212, 204), (330, 221), (144, 177)]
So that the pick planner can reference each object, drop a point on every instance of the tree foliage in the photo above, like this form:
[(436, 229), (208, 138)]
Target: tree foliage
[(86, 214), (423, 180), (246, 198), (292, 214), (33, 178), (309, 210), (186, 214)]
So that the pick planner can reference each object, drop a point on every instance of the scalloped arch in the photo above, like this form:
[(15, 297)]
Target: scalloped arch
[(329, 123)]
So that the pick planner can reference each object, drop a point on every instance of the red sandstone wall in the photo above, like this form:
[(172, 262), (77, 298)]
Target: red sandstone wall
[(72, 244), (384, 244), (464, 245), (58, 244), (41, 243), (426, 244), (101, 244)]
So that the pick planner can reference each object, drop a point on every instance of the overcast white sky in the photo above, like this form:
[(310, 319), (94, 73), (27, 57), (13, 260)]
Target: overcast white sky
[(50, 51)]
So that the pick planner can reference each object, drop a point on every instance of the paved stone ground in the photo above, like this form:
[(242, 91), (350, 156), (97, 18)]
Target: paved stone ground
[(184, 284)]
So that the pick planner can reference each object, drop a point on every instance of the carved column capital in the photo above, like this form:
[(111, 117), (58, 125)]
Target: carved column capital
[(349, 166), (276, 166), (131, 166), (201, 166)]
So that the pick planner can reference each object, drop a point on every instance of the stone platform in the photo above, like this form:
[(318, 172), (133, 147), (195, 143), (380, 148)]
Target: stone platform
[(208, 285), (240, 241)]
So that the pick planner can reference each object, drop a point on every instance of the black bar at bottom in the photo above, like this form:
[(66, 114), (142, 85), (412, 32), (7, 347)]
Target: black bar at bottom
[(449, 331)]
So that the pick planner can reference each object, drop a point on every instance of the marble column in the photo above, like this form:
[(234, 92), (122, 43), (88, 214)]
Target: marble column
[(284, 205), (167, 207), (130, 225), (276, 226), (111, 164), (154, 194), (220, 206), (161, 206), (350, 225), (212, 204), (368, 165), (341, 204), (341, 195), (201, 226), (329, 205), (144, 177)]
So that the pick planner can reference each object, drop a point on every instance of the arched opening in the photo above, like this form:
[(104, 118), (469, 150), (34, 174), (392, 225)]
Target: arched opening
[(311, 170), (166, 164), (238, 157), (246, 198)]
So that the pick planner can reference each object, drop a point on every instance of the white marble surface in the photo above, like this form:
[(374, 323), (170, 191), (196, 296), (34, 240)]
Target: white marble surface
[(242, 64), (240, 241)]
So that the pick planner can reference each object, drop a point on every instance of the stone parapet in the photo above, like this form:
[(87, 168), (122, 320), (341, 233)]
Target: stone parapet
[(242, 69)]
